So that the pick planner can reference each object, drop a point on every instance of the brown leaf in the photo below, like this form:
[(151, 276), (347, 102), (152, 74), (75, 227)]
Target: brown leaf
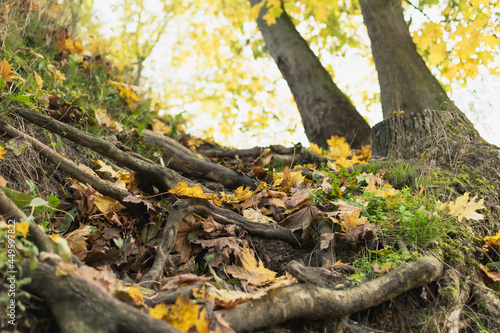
[(174, 282), (77, 239), (302, 219), (494, 275), (359, 233)]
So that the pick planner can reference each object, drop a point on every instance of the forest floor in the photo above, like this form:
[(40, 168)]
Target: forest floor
[(115, 220)]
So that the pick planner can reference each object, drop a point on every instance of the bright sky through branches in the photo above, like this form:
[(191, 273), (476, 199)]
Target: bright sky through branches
[(480, 100)]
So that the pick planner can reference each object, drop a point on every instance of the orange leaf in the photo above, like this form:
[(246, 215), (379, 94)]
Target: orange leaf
[(5, 72)]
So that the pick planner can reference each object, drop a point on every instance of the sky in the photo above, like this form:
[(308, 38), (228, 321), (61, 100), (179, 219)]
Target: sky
[(479, 100)]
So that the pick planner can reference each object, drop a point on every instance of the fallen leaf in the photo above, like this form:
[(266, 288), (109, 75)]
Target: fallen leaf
[(6, 73), (183, 315), (22, 227), (256, 216), (77, 239), (39, 81), (107, 205), (463, 207), (492, 241), (251, 272), (494, 275), (352, 220), (302, 219), (173, 282)]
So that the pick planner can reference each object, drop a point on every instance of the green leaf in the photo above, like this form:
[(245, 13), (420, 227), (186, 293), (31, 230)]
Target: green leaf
[(38, 202), (67, 220), (20, 199), (54, 201)]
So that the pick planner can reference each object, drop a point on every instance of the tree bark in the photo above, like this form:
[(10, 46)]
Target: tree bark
[(324, 108), (406, 84)]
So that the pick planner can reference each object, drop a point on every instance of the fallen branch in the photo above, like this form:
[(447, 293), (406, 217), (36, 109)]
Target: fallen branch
[(312, 302)]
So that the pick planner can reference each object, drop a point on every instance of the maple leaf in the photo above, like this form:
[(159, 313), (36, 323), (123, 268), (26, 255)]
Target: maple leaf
[(107, 205), (58, 76), (160, 127), (194, 192), (251, 272), (492, 241), (22, 227), (183, 315), (6, 73), (352, 220), (462, 207), (494, 275), (77, 238), (131, 295), (256, 216), (338, 147), (315, 149)]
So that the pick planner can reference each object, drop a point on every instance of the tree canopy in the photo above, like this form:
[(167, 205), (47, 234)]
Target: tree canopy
[(210, 58)]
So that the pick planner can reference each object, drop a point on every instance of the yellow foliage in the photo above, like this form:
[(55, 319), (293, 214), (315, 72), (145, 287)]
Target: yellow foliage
[(352, 220), (2, 152), (22, 227), (183, 315), (39, 81), (252, 272), (6, 73)]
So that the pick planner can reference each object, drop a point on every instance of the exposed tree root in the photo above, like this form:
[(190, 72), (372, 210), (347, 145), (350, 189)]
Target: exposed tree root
[(80, 306), (312, 302), (286, 155), (165, 178), (194, 167), (74, 171), (184, 207), (10, 211)]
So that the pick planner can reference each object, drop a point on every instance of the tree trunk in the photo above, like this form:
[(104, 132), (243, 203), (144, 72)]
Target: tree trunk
[(324, 108), (406, 84)]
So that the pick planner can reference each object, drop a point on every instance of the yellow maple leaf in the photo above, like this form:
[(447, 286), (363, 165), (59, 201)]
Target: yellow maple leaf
[(107, 205), (241, 194), (352, 220), (315, 149), (127, 92), (6, 73), (193, 192), (252, 272), (131, 295), (160, 127), (462, 207), (58, 76), (493, 241), (183, 315), (22, 227), (38, 80), (2, 152), (338, 147)]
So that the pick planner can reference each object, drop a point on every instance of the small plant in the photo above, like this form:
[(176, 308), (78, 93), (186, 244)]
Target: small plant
[(379, 262)]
